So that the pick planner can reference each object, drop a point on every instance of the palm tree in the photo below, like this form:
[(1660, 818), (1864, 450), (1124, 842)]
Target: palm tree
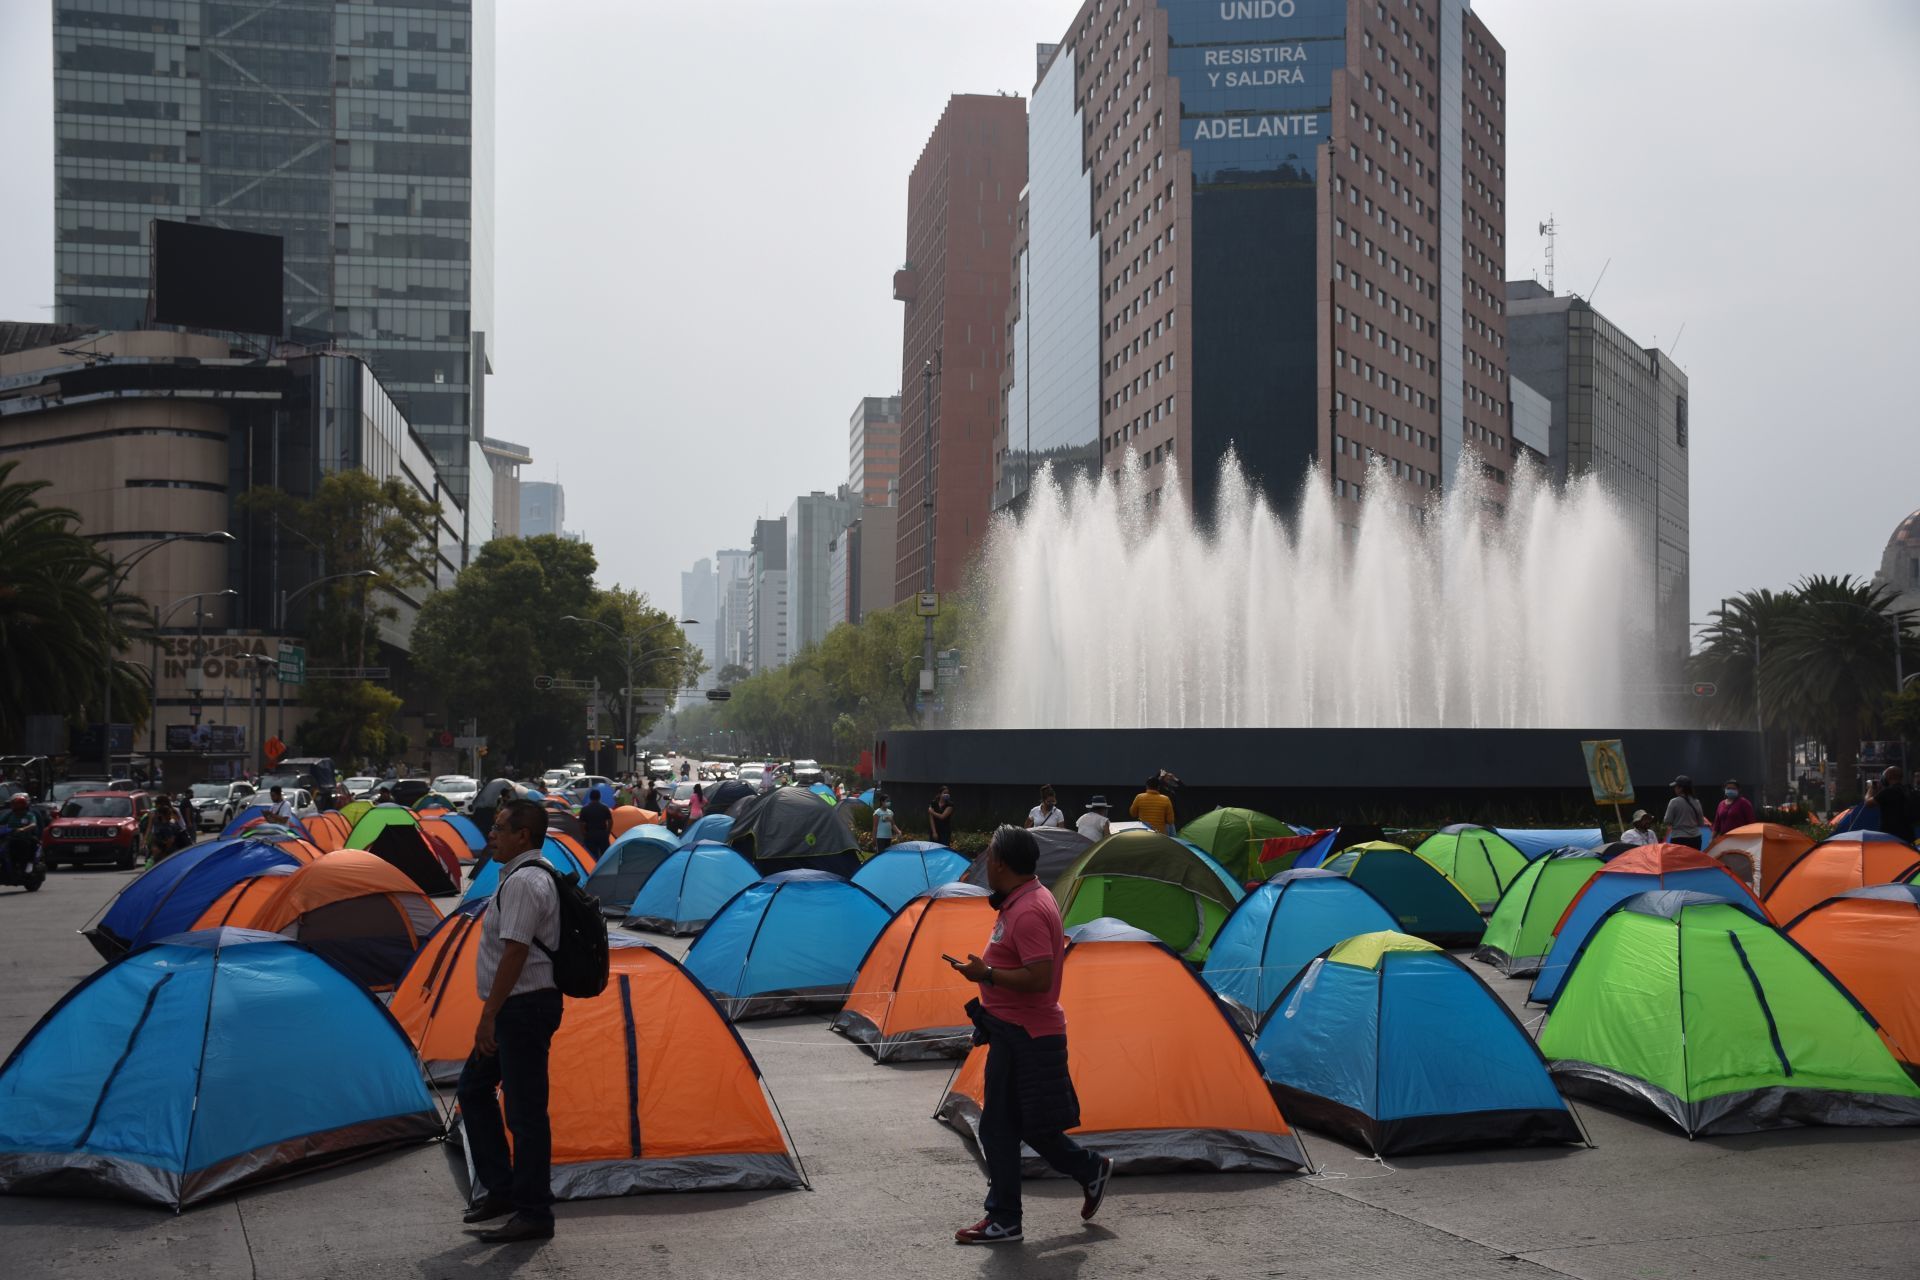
[(1740, 645), (1836, 659), (57, 624)]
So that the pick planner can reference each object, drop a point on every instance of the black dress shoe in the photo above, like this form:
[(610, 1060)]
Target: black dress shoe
[(487, 1209), (519, 1227)]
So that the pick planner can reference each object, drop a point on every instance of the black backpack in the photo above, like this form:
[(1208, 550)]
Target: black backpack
[(580, 961)]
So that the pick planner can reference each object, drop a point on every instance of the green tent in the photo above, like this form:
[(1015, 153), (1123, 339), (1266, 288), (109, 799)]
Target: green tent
[(1520, 930), (1685, 1004), (375, 819), (1171, 889), (1232, 836), (1421, 898), (354, 810), (1480, 861)]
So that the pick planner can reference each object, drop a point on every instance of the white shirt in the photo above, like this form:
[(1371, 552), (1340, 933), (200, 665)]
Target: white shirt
[(524, 909), (1053, 817), (284, 809), (1633, 836), (1093, 825)]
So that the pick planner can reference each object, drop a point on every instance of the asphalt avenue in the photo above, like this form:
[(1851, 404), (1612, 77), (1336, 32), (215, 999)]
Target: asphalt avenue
[(891, 1185)]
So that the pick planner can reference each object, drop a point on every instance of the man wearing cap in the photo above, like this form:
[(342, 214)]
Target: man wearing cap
[(1734, 810), (1093, 823), (1641, 832)]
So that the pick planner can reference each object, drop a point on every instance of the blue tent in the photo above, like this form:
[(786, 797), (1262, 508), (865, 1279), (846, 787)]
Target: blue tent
[(254, 811), (708, 826), (790, 942), (1536, 841), (905, 871), (1638, 871), (170, 895), (467, 829), (626, 864), (1331, 842), (825, 792), (1277, 930), (684, 890), (1426, 903), (205, 1062), (487, 879), (1390, 1042), (866, 797)]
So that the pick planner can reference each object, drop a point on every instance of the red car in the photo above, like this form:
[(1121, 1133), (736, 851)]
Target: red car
[(96, 826)]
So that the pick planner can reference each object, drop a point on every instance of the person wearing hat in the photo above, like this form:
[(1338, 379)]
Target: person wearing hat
[(1685, 817), (1734, 810), (1641, 832), (1093, 823)]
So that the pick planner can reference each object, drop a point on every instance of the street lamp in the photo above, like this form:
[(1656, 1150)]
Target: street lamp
[(627, 641), (280, 620), (160, 617), (116, 577)]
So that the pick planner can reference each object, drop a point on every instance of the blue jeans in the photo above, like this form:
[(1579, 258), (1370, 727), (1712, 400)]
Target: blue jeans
[(1000, 1138), (523, 1032)]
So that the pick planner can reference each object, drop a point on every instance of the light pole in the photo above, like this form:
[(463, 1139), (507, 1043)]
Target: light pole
[(926, 531), (153, 669), (626, 641), (280, 620), (116, 576)]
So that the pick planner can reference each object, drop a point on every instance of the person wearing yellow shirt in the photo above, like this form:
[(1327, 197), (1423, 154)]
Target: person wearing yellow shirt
[(1153, 808)]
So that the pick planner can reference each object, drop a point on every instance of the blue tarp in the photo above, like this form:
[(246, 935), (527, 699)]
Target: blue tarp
[(488, 878), (790, 942), (170, 895), (1278, 928), (905, 871), (1412, 1053), (1537, 841), (687, 887), (1609, 887), (176, 1073), (708, 826)]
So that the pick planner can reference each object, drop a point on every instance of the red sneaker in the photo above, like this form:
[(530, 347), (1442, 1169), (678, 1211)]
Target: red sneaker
[(987, 1231)]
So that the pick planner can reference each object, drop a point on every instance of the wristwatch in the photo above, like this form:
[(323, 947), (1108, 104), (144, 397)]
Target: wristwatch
[(989, 978)]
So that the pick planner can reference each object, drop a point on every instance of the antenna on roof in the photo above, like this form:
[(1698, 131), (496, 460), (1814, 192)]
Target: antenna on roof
[(1676, 340), (1549, 229), (1597, 279)]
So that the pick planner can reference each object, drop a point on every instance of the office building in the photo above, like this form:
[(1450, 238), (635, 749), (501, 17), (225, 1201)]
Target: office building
[(860, 578), (1618, 411), (543, 508), (767, 600), (961, 200), (873, 450), (362, 135), (813, 523), (1272, 228), (733, 571), (506, 458), (700, 600)]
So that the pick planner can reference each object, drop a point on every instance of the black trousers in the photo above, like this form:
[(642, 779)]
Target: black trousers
[(518, 1068), (1000, 1138)]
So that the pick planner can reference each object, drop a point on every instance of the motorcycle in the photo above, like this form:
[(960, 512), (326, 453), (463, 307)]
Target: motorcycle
[(22, 864)]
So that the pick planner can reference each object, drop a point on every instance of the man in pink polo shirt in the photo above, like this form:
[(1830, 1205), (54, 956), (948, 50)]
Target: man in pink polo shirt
[(1028, 1094)]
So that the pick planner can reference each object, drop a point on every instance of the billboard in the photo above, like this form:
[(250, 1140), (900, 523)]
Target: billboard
[(210, 739), (206, 277), (1256, 84)]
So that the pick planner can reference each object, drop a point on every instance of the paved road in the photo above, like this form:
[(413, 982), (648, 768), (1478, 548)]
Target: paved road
[(891, 1185)]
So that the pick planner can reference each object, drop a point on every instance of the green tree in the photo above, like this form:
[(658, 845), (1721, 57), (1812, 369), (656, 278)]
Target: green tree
[(351, 720), (1835, 662), (59, 624), (730, 675)]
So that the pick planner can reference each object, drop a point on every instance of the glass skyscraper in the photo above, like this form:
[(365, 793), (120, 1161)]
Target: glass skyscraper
[(360, 133)]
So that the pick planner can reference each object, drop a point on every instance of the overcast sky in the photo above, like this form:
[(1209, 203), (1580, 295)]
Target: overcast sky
[(700, 207)]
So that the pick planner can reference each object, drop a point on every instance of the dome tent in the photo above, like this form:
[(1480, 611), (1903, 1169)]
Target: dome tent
[(1232, 837), (792, 829), (660, 1093), (193, 1101), (788, 943), (1688, 1006), (168, 897), (1390, 1042), (357, 910), (690, 885), (1060, 848), (708, 826), (1535, 841), (1165, 1081), (625, 866), (905, 871), (1482, 862), (908, 1003), (1277, 930), (1642, 870), (1851, 860), (1520, 930), (435, 1001), (554, 852), (1154, 882), (1869, 940), (1424, 902), (392, 832), (1771, 848)]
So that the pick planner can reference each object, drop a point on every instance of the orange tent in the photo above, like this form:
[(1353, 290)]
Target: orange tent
[(240, 906), (329, 830), (440, 833), (435, 1001), (908, 1004), (1770, 847), (356, 909), (574, 847), (1165, 1081), (1870, 940), (627, 817), (1851, 860), (658, 1093)]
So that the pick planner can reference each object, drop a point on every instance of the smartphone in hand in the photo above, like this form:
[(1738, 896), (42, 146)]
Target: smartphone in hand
[(958, 964)]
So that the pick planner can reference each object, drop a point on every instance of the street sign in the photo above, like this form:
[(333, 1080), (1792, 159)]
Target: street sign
[(1607, 771), (928, 604), (444, 738), (719, 695), (947, 660), (274, 749), (293, 663), (1705, 689), (470, 743)]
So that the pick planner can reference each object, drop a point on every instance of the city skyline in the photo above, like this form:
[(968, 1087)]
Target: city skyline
[(1693, 239)]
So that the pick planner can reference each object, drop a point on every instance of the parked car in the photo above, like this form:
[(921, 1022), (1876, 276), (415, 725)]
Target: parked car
[(458, 789), (553, 779), (357, 787), (216, 803), (751, 774), (578, 788), (406, 791), (97, 826), (680, 807), (807, 772)]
